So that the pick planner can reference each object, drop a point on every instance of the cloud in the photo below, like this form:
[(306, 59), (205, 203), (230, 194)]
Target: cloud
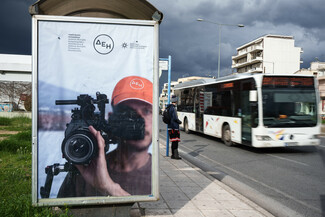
[(307, 14), (194, 45), (15, 22)]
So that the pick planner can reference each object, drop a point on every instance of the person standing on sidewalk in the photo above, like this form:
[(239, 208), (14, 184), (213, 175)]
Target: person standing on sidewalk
[(173, 128)]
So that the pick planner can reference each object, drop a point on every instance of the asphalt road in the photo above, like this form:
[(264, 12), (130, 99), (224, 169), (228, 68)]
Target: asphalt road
[(284, 181)]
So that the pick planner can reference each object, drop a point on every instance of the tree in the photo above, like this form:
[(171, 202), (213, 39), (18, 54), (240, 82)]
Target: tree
[(28, 103), (10, 91)]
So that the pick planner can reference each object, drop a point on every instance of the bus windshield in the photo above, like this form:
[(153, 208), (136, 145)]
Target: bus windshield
[(285, 107)]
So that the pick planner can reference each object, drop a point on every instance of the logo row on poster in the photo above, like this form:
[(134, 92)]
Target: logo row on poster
[(103, 44)]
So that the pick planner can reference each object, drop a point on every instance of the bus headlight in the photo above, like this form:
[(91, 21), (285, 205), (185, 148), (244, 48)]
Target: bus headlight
[(263, 138)]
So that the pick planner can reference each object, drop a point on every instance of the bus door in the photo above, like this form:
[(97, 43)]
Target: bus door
[(199, 108), (248, 104)]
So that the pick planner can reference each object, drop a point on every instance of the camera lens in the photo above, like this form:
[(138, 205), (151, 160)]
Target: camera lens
[(79, 147)]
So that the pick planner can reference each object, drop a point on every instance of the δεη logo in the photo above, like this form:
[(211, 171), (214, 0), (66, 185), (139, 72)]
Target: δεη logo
[(136, 84), (103, 44)]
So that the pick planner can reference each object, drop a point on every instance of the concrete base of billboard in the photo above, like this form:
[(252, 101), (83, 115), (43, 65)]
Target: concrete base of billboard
[(121, 210)]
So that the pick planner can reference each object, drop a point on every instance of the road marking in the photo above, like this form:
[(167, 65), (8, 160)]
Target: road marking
[(250, 178), (286, 159)]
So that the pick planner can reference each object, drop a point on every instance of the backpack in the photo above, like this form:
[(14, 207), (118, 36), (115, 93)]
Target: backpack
[(166, 116)]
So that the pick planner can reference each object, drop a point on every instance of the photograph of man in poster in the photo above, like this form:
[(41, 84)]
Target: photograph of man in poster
[(127, 169)]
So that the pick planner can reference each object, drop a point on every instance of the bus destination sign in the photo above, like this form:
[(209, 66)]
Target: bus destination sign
[(277, 81)]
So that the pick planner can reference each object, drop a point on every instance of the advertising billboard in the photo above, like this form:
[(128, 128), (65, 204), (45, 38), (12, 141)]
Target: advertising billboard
[(95, 104)]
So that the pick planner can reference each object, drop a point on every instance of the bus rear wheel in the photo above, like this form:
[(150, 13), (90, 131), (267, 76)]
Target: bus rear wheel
[(187, 131), (226, 135)]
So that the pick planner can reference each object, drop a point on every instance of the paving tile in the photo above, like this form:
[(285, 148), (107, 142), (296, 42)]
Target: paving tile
[(246, 213), (177, 175), (168, 183), (203, 196), (181, 204), (217, 213), (170, 169), (207, 205), (224, 196), (174, 196), (187, 183), (193, 176), (160, 204), (215, 189), (234, 205), (158, 213), (202, 181), (170, 189), (187, 213), (191, 191)]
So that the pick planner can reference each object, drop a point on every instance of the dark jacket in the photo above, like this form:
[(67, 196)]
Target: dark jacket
[(174, 122)]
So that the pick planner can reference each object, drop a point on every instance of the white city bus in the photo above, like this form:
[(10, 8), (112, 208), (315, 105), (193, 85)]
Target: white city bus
[(258, 110)]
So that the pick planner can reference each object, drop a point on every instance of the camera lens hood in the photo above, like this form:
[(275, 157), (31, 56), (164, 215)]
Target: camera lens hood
[(79, 147)]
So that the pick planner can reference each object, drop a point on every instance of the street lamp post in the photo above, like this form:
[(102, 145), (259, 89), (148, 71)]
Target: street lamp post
[(219, 30)]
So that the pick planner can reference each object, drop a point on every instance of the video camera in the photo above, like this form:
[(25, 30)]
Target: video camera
[(79, 145)]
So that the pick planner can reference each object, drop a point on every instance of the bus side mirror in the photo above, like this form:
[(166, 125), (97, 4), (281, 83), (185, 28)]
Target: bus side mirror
[(253, 96)]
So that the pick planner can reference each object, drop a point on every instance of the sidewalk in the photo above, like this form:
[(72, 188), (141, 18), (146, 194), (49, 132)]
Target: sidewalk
[(187, 191)]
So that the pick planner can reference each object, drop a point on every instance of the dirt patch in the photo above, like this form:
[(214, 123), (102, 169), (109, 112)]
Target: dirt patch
[(8, 132), (3, 138)]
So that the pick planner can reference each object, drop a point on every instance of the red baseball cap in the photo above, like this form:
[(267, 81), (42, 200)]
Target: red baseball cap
[(132, 87)]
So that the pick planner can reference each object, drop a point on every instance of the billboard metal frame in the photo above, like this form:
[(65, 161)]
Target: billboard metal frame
[(103, 200)]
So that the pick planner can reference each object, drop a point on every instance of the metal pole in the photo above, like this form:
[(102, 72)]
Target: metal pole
[(219, 28), (169, 75)]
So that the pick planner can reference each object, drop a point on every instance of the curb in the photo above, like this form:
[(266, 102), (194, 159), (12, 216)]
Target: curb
[(262, 201)]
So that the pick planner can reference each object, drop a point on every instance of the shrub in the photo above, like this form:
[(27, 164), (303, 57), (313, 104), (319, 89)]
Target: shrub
[(15, 124), (28, 103), (5, 121), (17, 141), (15, 188)]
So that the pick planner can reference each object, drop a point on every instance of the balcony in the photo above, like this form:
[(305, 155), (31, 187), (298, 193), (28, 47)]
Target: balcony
[(240, 55), (256, 47), (243, 52), (239, 65), (253, 61), (256, 70), (256, 60)]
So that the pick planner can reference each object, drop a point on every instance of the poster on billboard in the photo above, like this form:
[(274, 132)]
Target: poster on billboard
[(94, 110)]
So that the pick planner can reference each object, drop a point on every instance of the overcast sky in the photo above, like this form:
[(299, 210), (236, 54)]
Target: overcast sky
[(193, 45)]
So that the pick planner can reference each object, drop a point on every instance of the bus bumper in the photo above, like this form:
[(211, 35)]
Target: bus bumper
[(285, 140), (268, 144)]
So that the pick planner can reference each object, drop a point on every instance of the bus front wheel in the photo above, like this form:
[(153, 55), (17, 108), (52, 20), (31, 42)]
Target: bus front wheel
[(226, 135)]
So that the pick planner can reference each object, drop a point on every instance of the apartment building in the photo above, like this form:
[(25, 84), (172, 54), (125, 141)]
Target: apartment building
[(318, 70), (273, 54)]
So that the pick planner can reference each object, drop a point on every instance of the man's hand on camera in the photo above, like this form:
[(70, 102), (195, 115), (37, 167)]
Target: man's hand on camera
[(96, 173)]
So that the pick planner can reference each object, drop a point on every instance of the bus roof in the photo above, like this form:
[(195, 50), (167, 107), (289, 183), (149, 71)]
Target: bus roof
[(197, 82), (202, 82)]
